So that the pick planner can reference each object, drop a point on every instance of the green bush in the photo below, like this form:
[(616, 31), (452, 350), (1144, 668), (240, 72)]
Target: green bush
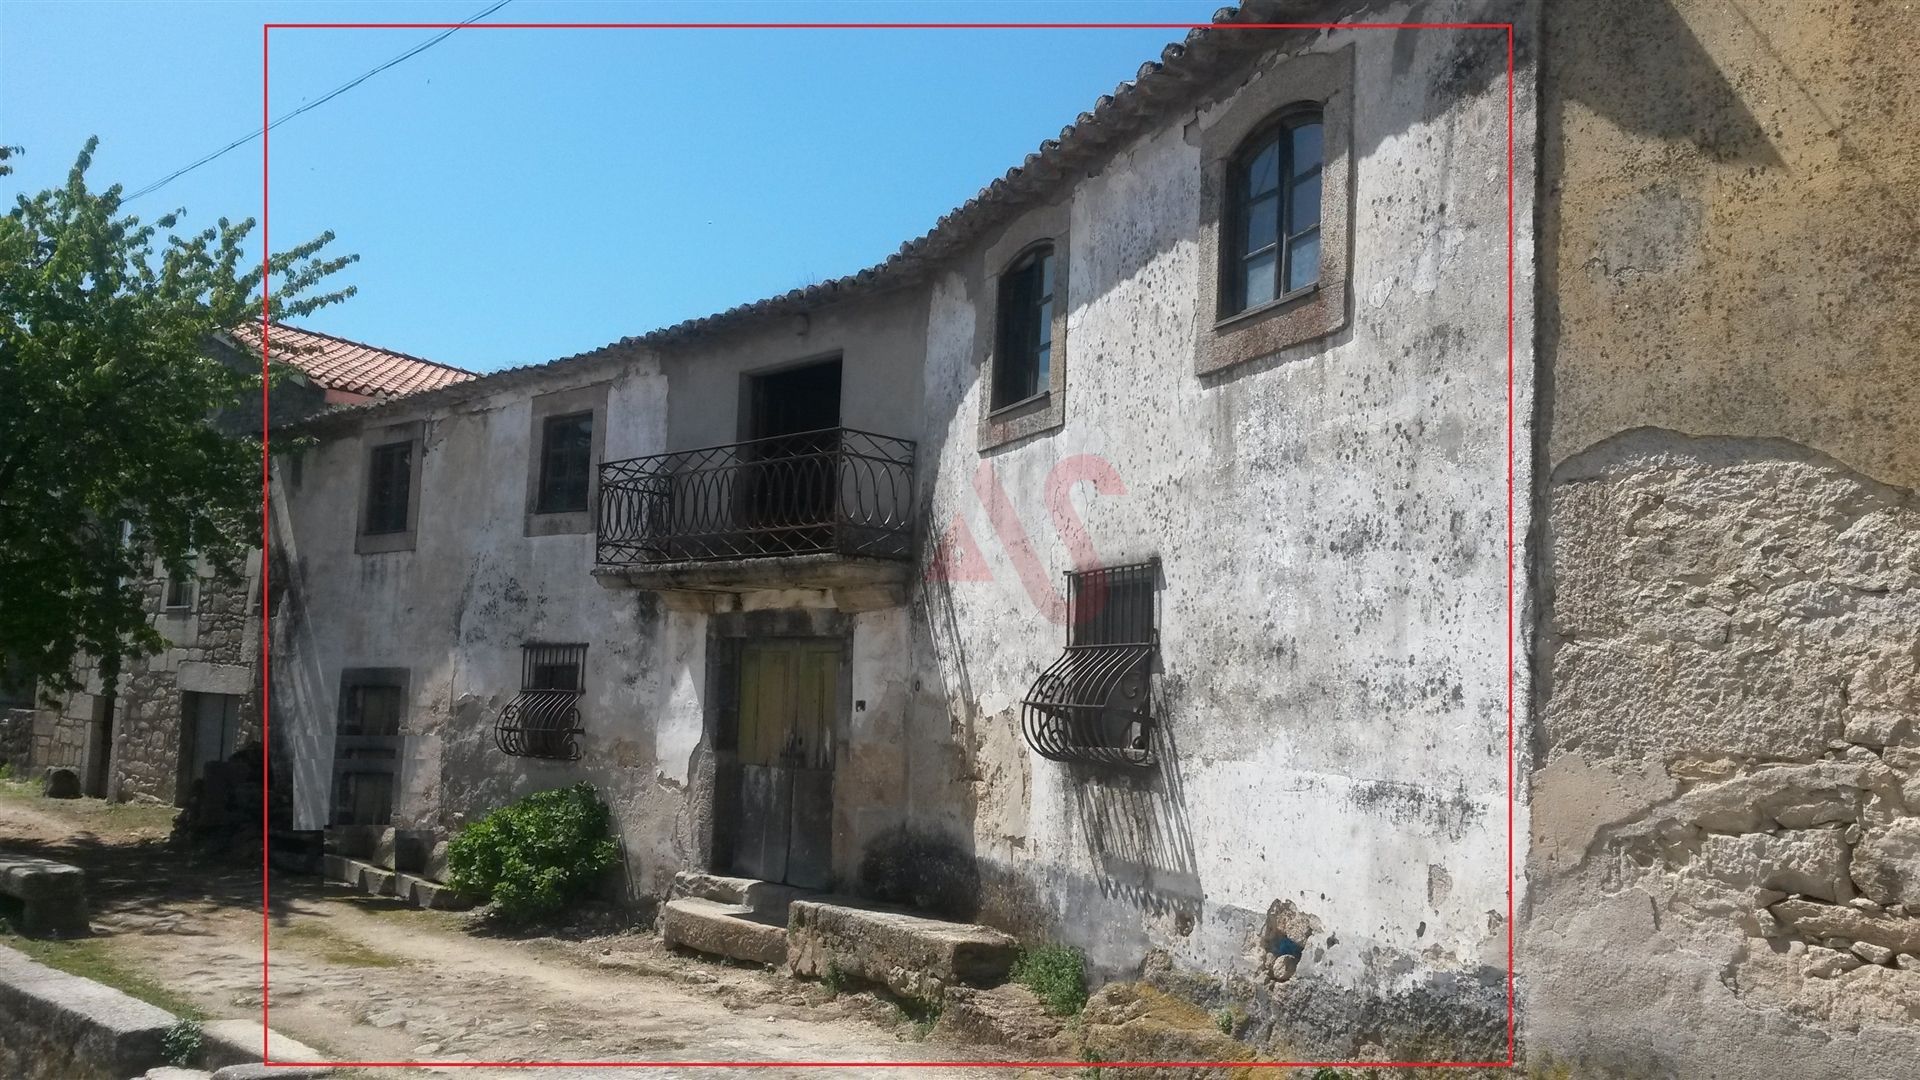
[(534, 857), (181, 1043), (1057, 974)]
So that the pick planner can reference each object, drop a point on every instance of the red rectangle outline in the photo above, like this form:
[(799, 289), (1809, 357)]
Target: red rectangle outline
[(267, 533)]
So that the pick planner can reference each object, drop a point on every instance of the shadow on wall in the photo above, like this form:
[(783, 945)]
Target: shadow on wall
[(1135, 827), (1642, 68)]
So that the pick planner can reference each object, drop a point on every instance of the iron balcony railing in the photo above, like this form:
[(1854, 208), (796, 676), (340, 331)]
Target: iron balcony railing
[(836, 490)]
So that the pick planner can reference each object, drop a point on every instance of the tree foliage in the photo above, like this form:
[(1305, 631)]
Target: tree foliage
[(109, 460)]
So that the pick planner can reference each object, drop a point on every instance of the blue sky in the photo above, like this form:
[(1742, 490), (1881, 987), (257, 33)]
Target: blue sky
[(519, 195)]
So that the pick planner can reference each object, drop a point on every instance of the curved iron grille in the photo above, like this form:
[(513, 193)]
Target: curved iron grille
[(1095, 702), (544, 721), (833, 490)]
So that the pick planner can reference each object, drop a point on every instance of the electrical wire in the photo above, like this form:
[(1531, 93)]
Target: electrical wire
[(316, 103)]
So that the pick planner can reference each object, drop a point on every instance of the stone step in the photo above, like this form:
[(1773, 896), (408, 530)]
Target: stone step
[(767, 898), (912, 955), (226, 1043), (717, 929), (379, 881)]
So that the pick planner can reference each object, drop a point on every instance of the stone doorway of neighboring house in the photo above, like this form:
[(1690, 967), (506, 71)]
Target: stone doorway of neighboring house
[(366, 745), (100, 746), (209, 732), (783, 820)]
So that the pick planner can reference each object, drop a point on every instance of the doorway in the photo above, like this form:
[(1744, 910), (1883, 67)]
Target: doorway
[(209, 732), (793, 457), (788, 697)]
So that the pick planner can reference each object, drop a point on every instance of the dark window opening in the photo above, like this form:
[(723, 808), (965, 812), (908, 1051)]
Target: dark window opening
[(566, 463), (389, 486), (1094, 703), (1024, 350), (1271, 244), (179, 591), (544, 720)]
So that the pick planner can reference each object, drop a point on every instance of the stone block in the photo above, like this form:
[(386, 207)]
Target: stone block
[(353, 841), (375, 881), (1811, 862), (404, 850), (52, 895), (910, 954), (56, 1026), (1007, 1015), (1886, 865), (717, 929), (762, 897), (431, 895), (237, 1042), (436, 865), (60, 782), (1817, 921)]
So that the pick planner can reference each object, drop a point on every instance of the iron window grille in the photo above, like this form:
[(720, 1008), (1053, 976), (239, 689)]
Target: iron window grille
[(1095, 702), (544, 720), (1025, 311), (836, 490), (1273, 252), (566, 463), (389, 476)]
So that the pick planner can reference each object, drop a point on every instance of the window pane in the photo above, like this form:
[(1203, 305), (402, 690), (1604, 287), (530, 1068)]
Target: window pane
[(390, 474), (1263, 224), (1044, 327), (566, 463), (1306, 147), (1303, 260), (1046, 274), (1263, 172), (1041, 362), (1303, 208), (1259, 278)]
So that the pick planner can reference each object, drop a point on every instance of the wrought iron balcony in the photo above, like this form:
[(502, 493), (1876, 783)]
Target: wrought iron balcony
[(834, 491)]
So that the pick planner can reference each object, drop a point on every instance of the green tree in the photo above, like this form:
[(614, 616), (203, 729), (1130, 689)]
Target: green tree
[(109, 459)]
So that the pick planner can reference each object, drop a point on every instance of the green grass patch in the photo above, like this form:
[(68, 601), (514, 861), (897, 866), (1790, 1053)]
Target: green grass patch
[(91, 958), (1057, 974), (319, 941)]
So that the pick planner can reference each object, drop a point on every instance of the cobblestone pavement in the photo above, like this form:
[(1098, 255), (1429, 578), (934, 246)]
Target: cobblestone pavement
[(369, 980)]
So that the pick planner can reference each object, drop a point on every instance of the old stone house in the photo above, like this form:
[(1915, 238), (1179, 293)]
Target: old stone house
[(1130, 562), (164, 717)]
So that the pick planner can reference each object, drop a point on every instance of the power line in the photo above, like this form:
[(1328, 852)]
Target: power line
[(316, 103)]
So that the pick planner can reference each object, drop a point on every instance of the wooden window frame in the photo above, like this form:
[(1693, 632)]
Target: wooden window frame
[(367, 542), (1002, 423), (543, 409), (1276, 131)]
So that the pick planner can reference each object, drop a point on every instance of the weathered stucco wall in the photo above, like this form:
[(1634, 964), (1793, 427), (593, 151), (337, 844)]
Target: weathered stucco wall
[(879, 343), (1722, 857), (1331, 524), (455, 611)]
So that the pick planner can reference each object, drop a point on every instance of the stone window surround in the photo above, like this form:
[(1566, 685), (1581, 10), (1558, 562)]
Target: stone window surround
[(1322, 79), (1046, 410), (365, 543), (560, 403)]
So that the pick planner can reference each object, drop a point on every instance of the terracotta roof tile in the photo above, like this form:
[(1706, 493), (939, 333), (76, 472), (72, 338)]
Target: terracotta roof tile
[(337, 363)]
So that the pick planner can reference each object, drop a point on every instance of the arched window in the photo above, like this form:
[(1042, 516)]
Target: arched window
[(1025, 336), (1272, 245)]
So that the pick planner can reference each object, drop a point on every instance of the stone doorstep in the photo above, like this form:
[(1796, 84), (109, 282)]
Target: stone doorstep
[(431, 895), (717, 929), (910, 954), (767, 898)]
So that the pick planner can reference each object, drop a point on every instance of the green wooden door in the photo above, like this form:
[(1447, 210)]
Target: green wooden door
[(789, 690)]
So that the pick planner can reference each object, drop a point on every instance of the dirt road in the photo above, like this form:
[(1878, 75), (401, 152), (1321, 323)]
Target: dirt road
[(370, 980)]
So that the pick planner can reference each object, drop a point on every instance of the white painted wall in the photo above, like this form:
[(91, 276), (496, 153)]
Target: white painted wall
[(1332, 525)]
